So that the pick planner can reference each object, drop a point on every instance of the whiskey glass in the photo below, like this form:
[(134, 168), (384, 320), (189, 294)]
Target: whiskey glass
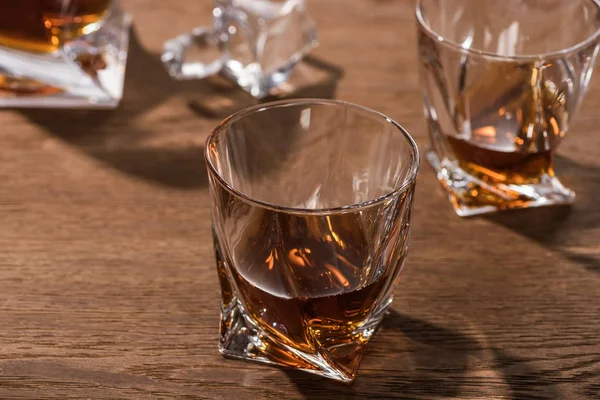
[(502, 80), (62, 53), (253, 43), (311, 208)]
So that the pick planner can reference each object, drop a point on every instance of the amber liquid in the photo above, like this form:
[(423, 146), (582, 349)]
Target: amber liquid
[(44, 25), (313, 282), (515, 123), (501, 167), (330, 320)]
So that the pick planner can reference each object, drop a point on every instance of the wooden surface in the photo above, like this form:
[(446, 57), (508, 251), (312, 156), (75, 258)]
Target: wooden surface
[(107, 281)]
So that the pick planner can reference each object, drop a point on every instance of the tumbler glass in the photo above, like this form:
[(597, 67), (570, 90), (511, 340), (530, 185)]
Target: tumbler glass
[(502, 80), (312, 204)]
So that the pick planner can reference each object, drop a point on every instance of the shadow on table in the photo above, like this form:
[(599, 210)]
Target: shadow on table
[(435, 365), (112, 137), (552, 226)]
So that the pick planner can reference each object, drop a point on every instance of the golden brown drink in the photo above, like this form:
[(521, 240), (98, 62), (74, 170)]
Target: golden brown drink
[(44, 25), (501, 167), (313, 288)]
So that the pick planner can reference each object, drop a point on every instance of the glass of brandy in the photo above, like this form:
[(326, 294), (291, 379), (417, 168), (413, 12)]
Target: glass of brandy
[(62, 53), (312, 204), (502, 79)]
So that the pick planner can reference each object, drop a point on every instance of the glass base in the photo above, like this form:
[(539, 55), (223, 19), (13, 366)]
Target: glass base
[(86, 73), (472, 196), (242, 338)]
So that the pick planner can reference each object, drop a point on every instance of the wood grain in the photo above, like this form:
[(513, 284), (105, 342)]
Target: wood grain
[(107, 280)]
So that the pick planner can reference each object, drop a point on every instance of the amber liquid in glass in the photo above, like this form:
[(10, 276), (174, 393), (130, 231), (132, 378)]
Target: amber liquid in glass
[(501, 167), (299, 321), (515, 122), (44, 25), (318, 281)]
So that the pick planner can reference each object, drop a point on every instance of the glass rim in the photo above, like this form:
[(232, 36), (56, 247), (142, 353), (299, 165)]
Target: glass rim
[(498, 57), (410, 178)]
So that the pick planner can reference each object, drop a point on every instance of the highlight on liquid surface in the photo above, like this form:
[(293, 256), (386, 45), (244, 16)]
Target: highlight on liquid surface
[(44, 25)]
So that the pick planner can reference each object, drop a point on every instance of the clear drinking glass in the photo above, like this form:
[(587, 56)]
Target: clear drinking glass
[(62, 53), (502, 79), (254, 43), (312, 205)]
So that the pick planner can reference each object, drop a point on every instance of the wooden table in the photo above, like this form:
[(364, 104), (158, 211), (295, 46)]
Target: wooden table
[(107, 281)]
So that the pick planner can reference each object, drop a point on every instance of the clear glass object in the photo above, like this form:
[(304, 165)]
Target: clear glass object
[(62, 53), (312, 205), (502, 79), (254, 43)]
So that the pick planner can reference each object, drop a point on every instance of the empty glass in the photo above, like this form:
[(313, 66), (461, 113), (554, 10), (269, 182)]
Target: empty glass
[(254, 43), (312, 205), (62, 53), (502, 79)]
